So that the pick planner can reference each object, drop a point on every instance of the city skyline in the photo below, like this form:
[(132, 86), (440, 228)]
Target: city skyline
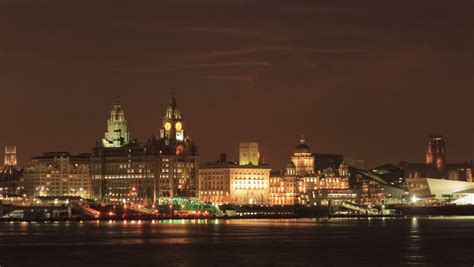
[(236, 132), (356, 79), (233, 153)]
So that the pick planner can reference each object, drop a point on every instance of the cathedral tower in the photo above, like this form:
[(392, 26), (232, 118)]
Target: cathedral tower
[(436, 153)]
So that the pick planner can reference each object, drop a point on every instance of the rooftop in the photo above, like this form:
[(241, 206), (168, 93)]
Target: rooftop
[(231, 165), (52, 155)]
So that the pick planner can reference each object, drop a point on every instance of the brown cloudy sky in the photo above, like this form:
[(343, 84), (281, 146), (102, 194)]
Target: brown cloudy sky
[(366, 78)]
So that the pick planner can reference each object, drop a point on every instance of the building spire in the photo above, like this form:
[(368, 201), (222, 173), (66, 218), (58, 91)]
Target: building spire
[(173, 100), (117, 107)]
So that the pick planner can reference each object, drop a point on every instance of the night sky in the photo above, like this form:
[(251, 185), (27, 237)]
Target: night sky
[(368, 79)]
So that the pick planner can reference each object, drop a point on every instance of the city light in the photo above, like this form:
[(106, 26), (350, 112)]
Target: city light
[(246, 133)]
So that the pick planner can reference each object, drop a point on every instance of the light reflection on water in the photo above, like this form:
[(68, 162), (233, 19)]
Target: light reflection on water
[(415, 246), (398, 241)]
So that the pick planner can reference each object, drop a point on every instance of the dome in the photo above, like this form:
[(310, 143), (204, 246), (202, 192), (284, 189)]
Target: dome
[(302, 147)]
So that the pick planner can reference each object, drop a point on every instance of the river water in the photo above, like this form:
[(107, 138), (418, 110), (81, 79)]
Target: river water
[(435, 241)]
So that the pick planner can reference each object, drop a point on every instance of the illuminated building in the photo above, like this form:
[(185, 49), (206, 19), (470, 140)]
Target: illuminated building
[(303, 159), (121, 174), (10, 174), (460, 171), (117, 134), (58, 174), (284, 189), (227, 182), (437, 181), (119, 167), (436, 166), (305, 184), (174, 157), (438, 189), (328, 187), (164, 167), (380, 186)]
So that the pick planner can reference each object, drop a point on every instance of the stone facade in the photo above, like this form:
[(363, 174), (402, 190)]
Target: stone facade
[(243, 183), (226, 183), (166, 166), (303, 184), (58, 174)]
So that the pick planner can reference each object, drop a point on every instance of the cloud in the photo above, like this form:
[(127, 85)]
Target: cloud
[(221, 65), (249, 79), (238, 32), (193, 66), (271, 48), (238, 78)]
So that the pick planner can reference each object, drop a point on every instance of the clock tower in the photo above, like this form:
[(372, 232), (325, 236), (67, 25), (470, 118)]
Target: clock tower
[(172, 128), (176, 157)]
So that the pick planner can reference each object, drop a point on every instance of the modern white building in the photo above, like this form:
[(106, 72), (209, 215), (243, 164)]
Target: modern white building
[(439, 189)]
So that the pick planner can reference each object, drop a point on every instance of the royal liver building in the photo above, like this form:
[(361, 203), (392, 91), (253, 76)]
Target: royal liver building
[(125, 171)]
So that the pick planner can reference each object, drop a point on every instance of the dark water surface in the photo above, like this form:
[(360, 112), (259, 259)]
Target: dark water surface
[(443, 241)]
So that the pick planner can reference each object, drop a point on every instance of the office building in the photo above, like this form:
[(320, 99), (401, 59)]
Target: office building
[(246, 183), (125, 171), (58, 174)]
